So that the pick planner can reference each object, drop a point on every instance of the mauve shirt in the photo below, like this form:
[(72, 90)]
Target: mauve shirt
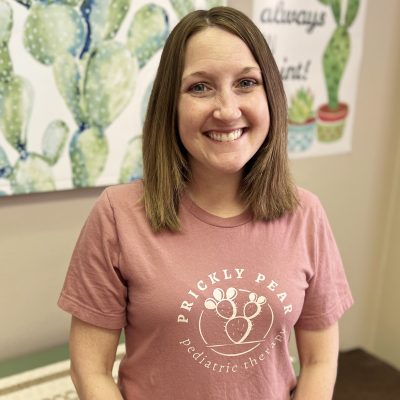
[(208, 311)]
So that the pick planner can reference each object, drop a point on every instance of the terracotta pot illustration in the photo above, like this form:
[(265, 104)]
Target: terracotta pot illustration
[(331, 123)]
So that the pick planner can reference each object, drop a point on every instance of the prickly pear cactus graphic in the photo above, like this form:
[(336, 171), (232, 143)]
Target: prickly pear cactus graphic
[(6, 69), (52, 30), (132, 164), (337, 51), (95, 65), (104, 18), (112, 65), (31, 171), (183, 7), (148, 32), (88, 151)]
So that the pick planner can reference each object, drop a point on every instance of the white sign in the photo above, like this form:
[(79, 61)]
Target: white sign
[(317, 45)]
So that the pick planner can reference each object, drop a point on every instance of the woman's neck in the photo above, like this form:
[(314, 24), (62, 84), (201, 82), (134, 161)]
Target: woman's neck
[(217, 195)]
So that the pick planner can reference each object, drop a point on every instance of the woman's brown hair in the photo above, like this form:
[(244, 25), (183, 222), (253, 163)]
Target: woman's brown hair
[(266, 186)]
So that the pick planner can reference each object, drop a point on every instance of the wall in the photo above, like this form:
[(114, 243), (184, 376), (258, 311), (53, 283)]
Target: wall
[(386, 332), (37, 236), (357, 189)]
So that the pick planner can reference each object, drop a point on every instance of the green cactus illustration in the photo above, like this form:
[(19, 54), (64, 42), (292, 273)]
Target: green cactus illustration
[(112, 65), (337, 52), (31, 174), (182, 7), (6, 69), (16, 99), (88, 151), (148, 32), (132, 164), (105, 18), (95, 75), (53, 141), (301, 118), (215, 3), (72, 3), (6, 22), (31, 171), (68, 78), (301, 107), (5, 166), (53, 29)]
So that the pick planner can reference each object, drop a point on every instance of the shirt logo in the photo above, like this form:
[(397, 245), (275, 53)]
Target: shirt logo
[(227, 324)]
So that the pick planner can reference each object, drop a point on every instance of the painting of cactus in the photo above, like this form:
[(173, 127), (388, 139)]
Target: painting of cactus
[(301, 107), (71, 123), (336, 55), (318, 48), (31, 170), (301, 121)]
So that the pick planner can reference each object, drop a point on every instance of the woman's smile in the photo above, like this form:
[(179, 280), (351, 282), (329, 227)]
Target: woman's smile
[(226, 136)]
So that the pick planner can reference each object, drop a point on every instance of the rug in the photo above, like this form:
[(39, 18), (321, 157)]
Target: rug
[(51, 382)]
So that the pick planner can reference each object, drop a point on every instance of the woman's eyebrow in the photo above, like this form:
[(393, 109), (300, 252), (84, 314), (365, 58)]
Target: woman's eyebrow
[(205, 74)]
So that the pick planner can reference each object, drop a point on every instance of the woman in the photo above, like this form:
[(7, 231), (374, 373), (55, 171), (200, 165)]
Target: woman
[(212, 259)]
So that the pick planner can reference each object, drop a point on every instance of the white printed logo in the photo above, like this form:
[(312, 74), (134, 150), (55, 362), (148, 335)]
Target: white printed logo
[(237, 313), (233, 322)]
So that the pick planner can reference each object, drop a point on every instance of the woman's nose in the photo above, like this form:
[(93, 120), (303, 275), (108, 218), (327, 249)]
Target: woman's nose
[(227, 107)]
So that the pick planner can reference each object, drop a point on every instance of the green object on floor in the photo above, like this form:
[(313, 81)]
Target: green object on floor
[(34, 360)]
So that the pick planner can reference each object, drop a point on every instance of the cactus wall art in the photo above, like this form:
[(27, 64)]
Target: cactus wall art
[(317, 45), (75, 78)]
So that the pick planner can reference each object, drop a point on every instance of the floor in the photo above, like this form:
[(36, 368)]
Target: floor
[(362, 376)]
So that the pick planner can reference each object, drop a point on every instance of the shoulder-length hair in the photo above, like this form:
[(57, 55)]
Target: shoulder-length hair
[(266, 187)]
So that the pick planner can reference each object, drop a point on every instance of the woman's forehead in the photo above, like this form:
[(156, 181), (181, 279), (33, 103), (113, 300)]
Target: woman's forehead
[(213, 46)]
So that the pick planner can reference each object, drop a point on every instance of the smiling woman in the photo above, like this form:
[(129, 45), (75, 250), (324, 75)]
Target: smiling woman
[(226, 69), (210, 261)]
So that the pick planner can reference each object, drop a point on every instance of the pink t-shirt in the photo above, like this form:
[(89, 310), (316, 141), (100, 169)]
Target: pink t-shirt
[(207, 312)]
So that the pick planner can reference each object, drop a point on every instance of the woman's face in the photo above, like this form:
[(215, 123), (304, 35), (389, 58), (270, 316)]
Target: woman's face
[(223, 112)]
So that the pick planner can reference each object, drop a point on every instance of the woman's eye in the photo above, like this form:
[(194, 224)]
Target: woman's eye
[(246, 83), (198, 88)]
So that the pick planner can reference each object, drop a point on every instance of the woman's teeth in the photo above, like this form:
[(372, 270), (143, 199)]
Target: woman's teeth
[(226, 137)]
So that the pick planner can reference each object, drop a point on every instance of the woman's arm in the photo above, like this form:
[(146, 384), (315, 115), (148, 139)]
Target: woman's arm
[(92, 352), (318, 353)]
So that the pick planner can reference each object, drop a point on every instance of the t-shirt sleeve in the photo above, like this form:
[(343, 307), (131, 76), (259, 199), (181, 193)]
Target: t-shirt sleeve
[(94, 289), (328, 295)]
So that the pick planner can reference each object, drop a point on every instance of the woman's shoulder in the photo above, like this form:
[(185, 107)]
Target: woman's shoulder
[(308, 201), (307, 197), (123, 195)]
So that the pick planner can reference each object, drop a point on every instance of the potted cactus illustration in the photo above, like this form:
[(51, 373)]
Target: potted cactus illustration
[(32, 170), (301, 121), (332, 116)]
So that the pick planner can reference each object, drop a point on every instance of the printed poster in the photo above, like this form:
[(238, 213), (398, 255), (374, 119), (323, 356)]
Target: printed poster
[(317, 45), (75, 78)]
